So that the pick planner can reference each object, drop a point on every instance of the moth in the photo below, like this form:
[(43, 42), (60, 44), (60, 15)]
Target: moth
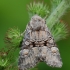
[(38, 45)]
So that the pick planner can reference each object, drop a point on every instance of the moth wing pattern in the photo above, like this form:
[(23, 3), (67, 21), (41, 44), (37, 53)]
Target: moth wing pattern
[(28, 59), (50, 52), (52, 59), (38, 45)]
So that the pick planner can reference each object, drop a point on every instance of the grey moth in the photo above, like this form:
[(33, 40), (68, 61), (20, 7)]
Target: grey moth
[(38, 45)]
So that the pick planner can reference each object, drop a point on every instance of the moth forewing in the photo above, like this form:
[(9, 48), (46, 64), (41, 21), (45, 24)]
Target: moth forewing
[(38, 45)]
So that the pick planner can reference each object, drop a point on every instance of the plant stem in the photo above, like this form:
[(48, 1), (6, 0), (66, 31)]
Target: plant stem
[(57, 13)]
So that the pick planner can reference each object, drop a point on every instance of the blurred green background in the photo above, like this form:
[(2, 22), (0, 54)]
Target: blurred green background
[(14, 13)]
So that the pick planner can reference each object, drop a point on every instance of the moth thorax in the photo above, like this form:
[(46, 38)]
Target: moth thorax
[(37, 23)]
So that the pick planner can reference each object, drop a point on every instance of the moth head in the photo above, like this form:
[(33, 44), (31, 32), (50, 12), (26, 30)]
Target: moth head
[(37, 22)]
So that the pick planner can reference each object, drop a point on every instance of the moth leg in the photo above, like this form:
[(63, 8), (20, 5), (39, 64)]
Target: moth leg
[(27, 59)]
